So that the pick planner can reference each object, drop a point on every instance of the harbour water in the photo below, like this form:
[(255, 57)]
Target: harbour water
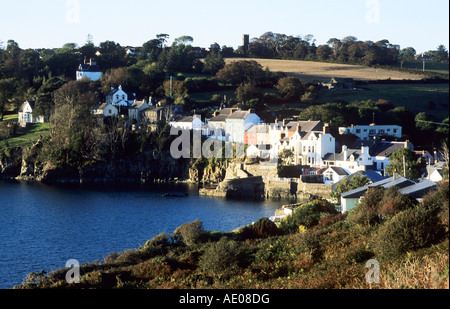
[(43, 226)]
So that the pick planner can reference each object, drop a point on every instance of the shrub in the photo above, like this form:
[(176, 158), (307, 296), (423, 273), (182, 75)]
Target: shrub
[(394, 202), (162, 239), (307, 215), (262, 228), (309, 242), (411, 229), (220, 258), (190, 233), (368, 210)]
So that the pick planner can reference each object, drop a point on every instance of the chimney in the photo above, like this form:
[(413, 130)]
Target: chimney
[(90, 61), (326, 128), (216, 113), (284, 122), (344, 148), (406, 143), (299, 127)]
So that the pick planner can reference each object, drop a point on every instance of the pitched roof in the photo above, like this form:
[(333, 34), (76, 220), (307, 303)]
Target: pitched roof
[(306, 126), (340, 156), (386, 148), (239, 115), (400, 182), (223, 114), (89, 68), (339, 170), (418, 190), (31, 102)]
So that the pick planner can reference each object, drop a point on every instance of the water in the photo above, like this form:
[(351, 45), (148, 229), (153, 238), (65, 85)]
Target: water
[(42, 226)]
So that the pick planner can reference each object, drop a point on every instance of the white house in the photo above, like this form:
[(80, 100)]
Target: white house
[(117, 97), (26, 113), (89, 70), (351, 160), (366, 132), (237, 123), (334, 174), (188, 123), (215, 128), (381, 152), (310, 141), (107, 110)]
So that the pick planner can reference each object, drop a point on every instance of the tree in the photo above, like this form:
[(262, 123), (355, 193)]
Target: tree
[(345, 185), (286, 155), (112, 55), (238, 72), (7, 89), (213, 63), (403, 162), (247, 92), (291, 88), (323, 52), (74, 135)]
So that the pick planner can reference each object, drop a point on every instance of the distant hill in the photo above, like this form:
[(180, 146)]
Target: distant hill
[(322, 71)]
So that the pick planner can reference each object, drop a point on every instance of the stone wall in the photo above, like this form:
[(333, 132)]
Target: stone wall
[(318, 189)]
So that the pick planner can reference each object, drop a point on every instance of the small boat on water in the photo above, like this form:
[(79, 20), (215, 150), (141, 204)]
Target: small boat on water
[(175, 195)]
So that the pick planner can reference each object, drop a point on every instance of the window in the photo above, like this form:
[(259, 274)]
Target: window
[(312, 148), (117, 96), (304, 148), (365, 130), (309, 148), (395, 130), (358, 130)]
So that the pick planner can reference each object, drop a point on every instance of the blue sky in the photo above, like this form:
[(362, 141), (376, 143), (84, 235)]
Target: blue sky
[(50, 23)]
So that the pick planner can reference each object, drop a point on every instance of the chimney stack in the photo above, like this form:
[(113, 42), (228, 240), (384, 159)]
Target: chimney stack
[(344, 148)]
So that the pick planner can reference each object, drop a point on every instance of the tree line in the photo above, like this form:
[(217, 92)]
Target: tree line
[(348, 50)]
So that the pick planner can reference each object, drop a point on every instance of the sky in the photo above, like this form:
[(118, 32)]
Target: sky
[(422, 25)]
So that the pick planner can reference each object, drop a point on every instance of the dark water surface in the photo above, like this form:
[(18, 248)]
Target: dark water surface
[(43, 226)]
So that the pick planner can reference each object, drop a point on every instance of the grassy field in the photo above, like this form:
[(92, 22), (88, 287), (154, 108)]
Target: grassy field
[(26, 136), (433, 67), (414, 97), (310, 70)]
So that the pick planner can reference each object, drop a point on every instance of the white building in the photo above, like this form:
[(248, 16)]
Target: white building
[(188, 123), (334, 174), (89, 70), (118, 97), (370, 131), (351, 160), (215, 128), (310, 141), (237, 123), (26, 113), (384, 149)]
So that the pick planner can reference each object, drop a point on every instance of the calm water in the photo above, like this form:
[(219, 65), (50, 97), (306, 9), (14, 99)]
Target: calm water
[(41, 226)]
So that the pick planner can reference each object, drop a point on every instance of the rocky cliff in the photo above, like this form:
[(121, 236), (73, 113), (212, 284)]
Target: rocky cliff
[(148, 166)]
